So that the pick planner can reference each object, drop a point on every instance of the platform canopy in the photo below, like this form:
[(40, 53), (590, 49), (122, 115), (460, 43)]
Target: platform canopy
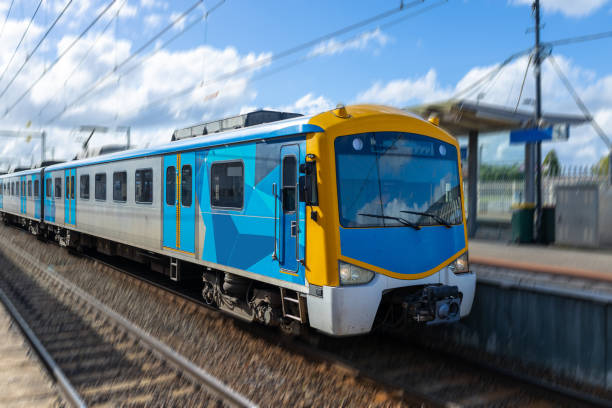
[(460, 117)]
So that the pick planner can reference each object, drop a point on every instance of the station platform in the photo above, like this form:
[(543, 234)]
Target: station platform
[(570, 262), (23, 380)]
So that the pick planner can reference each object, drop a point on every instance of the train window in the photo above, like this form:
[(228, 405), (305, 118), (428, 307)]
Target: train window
[(49, 187), (29, 188), (84, 187), (36, 189), (67, 188), (13, 188), (227, 185), (23, 190), (1, 188), (289, 190), (72, 187), (58, 187), (186, 186), (120, 186), (143, 192), (171, 185), (101, 186)]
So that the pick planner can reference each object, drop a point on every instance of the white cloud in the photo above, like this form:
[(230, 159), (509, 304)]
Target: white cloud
[(332, 46), (153, 20), (584, 145), (400, 92), (308, 105), (150, 4), (571, 8)]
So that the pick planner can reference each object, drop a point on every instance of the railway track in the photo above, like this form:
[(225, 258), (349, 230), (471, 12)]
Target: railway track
[(406, 373), (98, 357)]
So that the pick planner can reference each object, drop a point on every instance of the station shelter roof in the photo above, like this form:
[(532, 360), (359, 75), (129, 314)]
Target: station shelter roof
[(459, 117)]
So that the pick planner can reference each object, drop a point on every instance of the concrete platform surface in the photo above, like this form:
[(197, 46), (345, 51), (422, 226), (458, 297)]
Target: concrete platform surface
[(23, 380), (593, 264)]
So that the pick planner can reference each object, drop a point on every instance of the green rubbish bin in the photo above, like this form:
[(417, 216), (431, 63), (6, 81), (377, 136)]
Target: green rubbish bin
[(548, 225), (522, 223)]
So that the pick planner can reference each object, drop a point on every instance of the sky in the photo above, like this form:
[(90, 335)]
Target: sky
[(235, 56)]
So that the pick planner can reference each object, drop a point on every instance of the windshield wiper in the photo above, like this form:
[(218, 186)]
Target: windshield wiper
[(400, 219), (434, 216)]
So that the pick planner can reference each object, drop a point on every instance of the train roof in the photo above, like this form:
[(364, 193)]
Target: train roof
[(20, 173), (270, 130)]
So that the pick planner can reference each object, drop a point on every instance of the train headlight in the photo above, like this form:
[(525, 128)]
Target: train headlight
[(353, 275), (460, 265)]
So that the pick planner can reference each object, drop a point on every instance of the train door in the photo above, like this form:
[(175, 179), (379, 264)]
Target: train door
[(289, 225), (36, 195), (24, 198), (69, 197), (48, 192), (179, 203)]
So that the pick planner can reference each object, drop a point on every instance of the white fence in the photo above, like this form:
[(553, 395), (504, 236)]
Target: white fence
[(496, 198)]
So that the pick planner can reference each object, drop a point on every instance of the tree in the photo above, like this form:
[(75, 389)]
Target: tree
[(551, 165), (603, 166)]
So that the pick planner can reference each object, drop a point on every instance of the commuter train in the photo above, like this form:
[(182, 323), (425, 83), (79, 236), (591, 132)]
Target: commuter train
[(342, 221)]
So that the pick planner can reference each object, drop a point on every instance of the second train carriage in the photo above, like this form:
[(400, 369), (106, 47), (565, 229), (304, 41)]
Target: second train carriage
[(341, 220)]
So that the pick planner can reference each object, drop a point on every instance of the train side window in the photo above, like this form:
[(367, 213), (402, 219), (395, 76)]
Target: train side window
[(29, 188), (72, 187), (171, 185), (143, 183), (186, 186), (36, 189), (100, 186), (49, 187), (84, 187), (67, 187), (120, 186), (289, 191), (12, 188), (58, 187), (227, 185), (1, 188)]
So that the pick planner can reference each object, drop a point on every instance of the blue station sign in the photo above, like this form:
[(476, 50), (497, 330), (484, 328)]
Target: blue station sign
[(531, 135)]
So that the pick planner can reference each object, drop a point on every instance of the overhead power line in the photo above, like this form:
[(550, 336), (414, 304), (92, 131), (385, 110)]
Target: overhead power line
[(581, 38), (490, 75), (295, 49), (21, 40), (127, 60), (8, 13), (29, 56), (162, 46), (585, 111), (54, 63)]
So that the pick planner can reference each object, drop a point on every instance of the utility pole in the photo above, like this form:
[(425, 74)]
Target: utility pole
[(538, 119)]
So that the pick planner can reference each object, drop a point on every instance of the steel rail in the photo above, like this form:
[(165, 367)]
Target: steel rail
[(182, 363), (66, 388), (358, 372), (346, 366)]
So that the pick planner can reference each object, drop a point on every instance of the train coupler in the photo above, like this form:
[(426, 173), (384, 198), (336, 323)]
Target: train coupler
[(434, 305)]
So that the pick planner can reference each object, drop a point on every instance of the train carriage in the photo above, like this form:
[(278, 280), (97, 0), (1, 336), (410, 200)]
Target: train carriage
[(340, 221)]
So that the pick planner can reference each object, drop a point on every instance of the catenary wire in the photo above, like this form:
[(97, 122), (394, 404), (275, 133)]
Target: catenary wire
[(600, 132), (582, 38), (518, 101), (85, 56), (159, 49), (29, 56), (290, 51), (8, 13), (20, 41), (74, 42), (125, 61)]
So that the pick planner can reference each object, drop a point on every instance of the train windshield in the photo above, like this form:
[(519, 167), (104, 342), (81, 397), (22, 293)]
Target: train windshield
[(393, 179)]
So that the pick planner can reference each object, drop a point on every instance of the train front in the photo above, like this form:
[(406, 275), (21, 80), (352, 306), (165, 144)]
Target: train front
[(387, 243)]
